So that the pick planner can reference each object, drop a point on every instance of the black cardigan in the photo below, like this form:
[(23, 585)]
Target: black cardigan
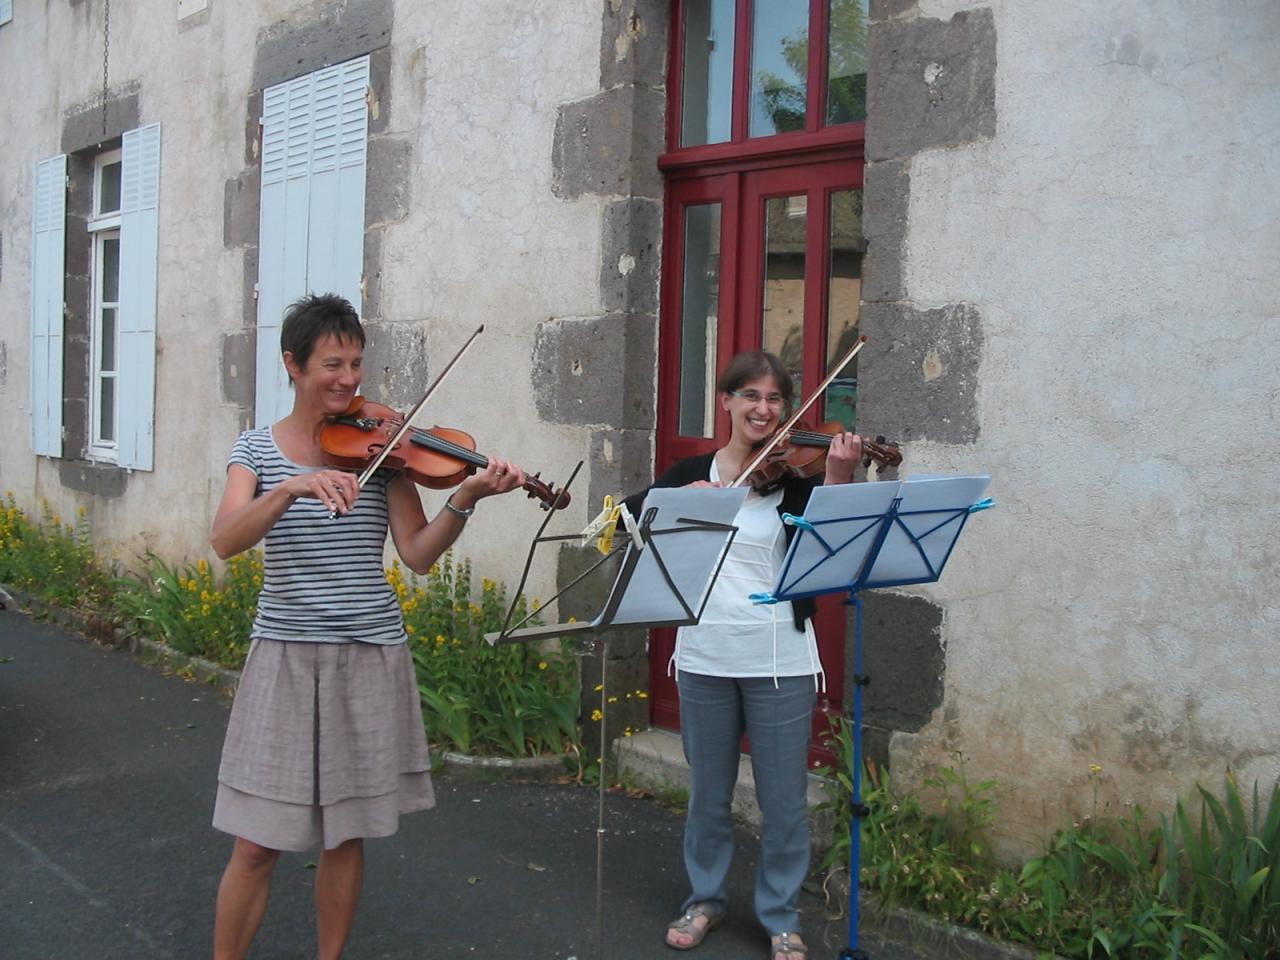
[(795, 495)]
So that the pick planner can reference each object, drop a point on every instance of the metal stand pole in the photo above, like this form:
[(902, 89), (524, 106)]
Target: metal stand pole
[(858, 810), (604, 697)]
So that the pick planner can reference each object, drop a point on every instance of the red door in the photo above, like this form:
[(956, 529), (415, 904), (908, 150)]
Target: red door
[(758, 259)]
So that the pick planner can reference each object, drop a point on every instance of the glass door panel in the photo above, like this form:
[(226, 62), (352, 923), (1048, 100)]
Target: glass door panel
[(779, 66), (782, 307), (847, 61), (699, 320), (844, 294), (706, 95)]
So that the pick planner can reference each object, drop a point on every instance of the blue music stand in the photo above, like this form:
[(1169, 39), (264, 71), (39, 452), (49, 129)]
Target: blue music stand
[(855, 537)]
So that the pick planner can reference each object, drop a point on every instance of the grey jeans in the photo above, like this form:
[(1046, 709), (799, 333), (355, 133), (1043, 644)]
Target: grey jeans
[(714, 714)]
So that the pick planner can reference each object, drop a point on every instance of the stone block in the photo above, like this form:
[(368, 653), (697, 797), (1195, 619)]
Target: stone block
[(630, 262), (318, 36), (918, 373), (931, 83), (596, 370), (608, 144)]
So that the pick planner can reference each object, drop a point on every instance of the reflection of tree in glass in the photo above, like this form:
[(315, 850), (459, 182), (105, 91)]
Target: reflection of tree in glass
[(784, 99)]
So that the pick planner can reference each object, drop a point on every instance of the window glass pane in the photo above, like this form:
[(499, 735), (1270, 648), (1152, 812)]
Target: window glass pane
[(779, 66), (109, 189), (700, 306), (783, 309), (108, 340), (111, 270), (707, 98), (107, 409), (847, 62), (844, 295)]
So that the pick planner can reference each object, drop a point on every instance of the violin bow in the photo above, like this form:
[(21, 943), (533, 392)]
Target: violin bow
[(800, 412), (407, 425)]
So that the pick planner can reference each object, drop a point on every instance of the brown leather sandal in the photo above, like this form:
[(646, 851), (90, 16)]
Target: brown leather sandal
[(684, 924)]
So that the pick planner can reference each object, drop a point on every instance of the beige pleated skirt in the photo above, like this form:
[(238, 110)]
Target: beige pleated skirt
[(325, 743)]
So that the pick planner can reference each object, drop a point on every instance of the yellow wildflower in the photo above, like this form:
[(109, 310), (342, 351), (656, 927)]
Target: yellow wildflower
[(597, 716)]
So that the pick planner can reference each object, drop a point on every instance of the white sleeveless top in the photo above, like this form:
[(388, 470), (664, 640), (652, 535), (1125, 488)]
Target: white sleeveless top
[(738, 638)]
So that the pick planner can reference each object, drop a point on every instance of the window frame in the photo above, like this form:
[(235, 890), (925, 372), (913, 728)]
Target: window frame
[(101, 228), (816, 141), (99, 448)]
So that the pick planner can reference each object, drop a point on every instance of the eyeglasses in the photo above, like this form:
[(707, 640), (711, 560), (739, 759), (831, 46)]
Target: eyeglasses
[(752, 397)]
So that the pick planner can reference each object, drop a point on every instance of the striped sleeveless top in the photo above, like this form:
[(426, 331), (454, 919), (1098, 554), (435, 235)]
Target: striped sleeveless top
[(323, 579)]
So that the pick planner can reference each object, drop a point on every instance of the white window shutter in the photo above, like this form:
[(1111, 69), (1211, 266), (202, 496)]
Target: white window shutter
[(48, 270), (311, 233), (139, 253)]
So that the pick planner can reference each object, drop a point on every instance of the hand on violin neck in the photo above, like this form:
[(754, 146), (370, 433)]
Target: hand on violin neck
[(500, 476), (843, 458)]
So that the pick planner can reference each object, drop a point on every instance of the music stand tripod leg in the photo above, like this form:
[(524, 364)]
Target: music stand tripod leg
[(858, 810), (604, 722)]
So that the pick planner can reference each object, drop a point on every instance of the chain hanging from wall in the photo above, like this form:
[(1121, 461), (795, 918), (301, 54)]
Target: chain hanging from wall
[(106, 60)]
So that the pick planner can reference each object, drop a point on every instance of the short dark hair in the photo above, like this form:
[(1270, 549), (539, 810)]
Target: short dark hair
[(312, 317), (752, 365)]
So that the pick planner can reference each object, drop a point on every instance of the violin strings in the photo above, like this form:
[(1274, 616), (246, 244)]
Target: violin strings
[(426, 438)]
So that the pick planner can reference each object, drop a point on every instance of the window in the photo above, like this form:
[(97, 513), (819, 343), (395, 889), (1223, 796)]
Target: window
[(6, 11), (123, 227), (311, 226), (104, 227), (749, 69)]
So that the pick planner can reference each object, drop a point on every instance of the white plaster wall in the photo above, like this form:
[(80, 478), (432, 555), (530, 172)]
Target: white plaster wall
[(1120, 237), (475, 87)]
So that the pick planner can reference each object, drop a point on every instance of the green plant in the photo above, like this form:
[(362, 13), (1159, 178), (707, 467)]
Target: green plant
[(191, 608), (511, 699), (1105, 887), (1222, 874), (51, 558)]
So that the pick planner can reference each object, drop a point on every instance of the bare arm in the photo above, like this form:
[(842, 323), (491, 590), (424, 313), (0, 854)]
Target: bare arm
[(243, 519), (421, 542)]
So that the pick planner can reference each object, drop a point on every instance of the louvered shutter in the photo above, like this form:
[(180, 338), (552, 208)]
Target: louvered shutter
[(48, 256), (139, 251), (311, 234)]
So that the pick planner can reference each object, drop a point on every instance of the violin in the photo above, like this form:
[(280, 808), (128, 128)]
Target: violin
[(438, 458), (802, 453)]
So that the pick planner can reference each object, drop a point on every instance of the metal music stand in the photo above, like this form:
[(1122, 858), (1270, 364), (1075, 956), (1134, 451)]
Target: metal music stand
[(669, 561), (855, 537)]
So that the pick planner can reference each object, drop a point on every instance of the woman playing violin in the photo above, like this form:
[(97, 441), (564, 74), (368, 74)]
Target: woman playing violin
[(325, 745), (749, 668)]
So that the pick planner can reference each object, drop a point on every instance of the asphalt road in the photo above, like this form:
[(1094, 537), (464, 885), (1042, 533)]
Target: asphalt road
[(107, 773)]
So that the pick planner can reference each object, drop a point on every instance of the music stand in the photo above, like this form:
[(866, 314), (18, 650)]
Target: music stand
[(855, 537), (670, 560)]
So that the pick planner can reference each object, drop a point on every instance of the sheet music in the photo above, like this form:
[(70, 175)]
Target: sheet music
[(847, 519), (932, 512), (690, 556)]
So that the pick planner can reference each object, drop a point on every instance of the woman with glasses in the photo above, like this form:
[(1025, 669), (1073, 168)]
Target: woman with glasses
[(749, 668)]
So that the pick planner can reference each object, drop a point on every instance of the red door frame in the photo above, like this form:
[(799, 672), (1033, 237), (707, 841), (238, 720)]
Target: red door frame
[(739, 174), (743, 198)]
